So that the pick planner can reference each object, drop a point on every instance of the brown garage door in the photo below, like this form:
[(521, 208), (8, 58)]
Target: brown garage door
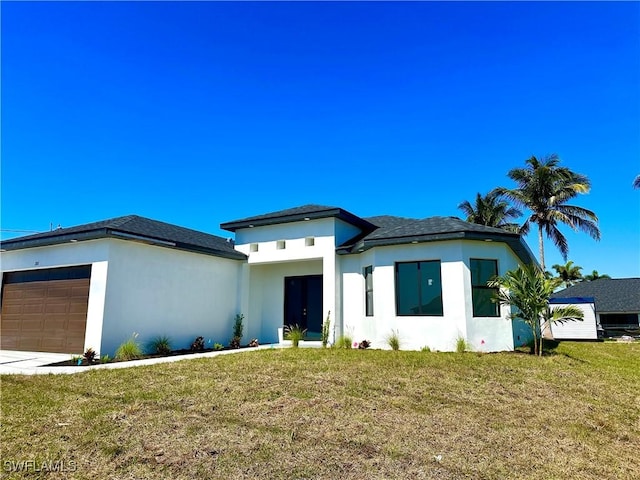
[(45, 310)]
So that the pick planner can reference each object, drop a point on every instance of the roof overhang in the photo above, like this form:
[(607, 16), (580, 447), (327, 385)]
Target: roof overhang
[(514, 241), (64, 238), (338, 213)]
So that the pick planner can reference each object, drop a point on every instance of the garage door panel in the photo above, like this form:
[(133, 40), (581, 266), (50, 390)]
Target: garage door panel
[(48, 316)]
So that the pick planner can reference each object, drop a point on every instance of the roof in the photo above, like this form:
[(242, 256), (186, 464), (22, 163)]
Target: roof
[(399, 230), (305, 212), (612, 295), (132, 227)]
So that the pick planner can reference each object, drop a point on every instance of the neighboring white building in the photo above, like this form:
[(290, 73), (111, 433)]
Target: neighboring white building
[(424, 279)]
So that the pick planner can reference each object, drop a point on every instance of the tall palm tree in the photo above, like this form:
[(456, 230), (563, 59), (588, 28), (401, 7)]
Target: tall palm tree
[(569, 273), (544, 188), (636, 182), (492, 211), (594, 276)]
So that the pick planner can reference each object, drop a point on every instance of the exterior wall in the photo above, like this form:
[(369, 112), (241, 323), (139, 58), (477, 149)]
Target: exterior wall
[(269, 265), (437, 333), (266, 306), (145, 289), (159, 291), (577, 330)]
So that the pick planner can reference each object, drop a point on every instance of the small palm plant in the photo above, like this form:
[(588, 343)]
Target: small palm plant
[(160, 345), (295, 333)]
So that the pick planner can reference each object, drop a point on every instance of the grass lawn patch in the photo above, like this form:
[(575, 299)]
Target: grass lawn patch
[(330, 413)]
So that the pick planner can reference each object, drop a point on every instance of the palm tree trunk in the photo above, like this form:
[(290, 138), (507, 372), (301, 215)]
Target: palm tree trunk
[(541, 247)]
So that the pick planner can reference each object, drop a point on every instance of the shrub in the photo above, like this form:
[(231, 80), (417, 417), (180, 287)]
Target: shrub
[(344, 341), (76, 359), (198, 345), (364, 344), (294, 333), (325, 330), (254, 343), (393, 340), (425, 349), (105, 359), (89, 355), (235, 342), (129, 350), (237, 326), (160, 345), (218, 346)]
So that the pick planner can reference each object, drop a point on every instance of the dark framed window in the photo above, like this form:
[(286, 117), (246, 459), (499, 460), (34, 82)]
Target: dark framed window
[(419, 288), (481, 272), (46, 274), (368, 289)]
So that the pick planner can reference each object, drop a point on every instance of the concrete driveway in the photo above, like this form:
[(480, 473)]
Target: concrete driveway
[(28, 362)]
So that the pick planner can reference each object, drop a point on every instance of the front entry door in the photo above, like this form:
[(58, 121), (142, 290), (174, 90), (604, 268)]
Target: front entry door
[(303, 304)]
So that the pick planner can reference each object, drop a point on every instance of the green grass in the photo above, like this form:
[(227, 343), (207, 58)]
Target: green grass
[(337, 413)]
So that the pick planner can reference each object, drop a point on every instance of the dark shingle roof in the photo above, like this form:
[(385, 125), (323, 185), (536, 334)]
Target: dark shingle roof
[(612, 295), (305, 212), (132, 227)]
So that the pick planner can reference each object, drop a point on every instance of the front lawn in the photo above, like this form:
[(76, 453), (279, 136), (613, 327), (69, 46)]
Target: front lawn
[(310, 413)]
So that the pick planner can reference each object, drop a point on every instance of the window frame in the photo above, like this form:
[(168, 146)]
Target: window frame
[(367, 273), (483, 287), (418, 287)]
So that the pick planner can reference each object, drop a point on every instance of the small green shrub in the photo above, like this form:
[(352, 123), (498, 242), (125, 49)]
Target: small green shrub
[(344, 341), (393, 340), (105, 358), (237, 325), (425, 349), (294, 333), (197, 345), (160, 345), (76, 359), (325, 330), (462, 345), (89, 355), (129, 350), (218, 346)]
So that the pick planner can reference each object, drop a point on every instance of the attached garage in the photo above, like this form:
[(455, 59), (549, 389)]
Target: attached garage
[(45, 310)]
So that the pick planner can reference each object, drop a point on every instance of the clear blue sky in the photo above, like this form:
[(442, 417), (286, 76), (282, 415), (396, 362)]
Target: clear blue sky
[(206, 112)]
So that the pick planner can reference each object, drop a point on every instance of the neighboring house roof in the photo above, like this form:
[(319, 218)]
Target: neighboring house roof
[(612, 295), (305, 212), (132, 227)]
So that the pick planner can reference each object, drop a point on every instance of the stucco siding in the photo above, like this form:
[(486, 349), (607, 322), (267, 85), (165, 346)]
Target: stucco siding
[(158, 291), (266, 304)]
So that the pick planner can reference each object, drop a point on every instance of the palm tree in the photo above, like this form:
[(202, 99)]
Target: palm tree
[(527, 290), (544, 188), (491, 211), (636, 182), (568, 273), (594, 276)]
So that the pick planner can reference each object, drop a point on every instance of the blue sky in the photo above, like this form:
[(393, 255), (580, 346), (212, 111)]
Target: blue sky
[(206, 112)]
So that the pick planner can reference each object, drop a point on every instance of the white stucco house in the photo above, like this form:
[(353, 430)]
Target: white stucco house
[(95, 285)]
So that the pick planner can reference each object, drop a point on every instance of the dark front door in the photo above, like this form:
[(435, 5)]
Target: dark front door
[(303, 303)]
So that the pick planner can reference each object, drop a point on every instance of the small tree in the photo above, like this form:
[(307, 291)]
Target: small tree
[(527, 290)]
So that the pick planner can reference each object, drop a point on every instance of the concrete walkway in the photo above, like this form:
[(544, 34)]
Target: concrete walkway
[(32, 363)]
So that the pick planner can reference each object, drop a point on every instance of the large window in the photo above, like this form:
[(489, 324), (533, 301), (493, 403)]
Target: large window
[(418, 288), (368, 287), (481, 272)]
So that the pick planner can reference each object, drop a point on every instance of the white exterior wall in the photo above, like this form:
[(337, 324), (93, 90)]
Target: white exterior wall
[(145, 289), (269, 265), (437, 333), (577, 330)]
